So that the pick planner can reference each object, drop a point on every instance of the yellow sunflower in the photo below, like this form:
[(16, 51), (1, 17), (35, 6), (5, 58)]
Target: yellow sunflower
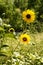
[(24, 38), (28, 16)]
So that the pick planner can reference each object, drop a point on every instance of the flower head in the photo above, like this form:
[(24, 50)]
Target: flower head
[(11, 30), (28, 16), (24, 38)]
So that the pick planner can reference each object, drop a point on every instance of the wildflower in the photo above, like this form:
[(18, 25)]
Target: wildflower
[(11, 30), (28, 16), (25, 38)]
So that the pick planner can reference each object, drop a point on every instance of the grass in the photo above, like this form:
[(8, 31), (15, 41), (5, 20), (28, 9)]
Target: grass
[(18, 53), (36, 38)]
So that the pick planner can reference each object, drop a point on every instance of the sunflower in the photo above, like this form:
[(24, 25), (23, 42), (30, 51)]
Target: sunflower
[(25, 38), (28, 16), (11, 30)]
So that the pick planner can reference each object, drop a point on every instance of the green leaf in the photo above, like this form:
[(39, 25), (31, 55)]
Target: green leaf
[(1, 54), (5, 46)]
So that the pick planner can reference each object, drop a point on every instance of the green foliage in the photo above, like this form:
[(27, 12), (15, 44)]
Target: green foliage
[(2, 8), (22, 4), (37, 5), (12, 52), (12, 10)]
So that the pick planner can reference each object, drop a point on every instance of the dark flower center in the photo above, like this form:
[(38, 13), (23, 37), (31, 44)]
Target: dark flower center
[(28, 16), (11, 30), (24, 39)]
